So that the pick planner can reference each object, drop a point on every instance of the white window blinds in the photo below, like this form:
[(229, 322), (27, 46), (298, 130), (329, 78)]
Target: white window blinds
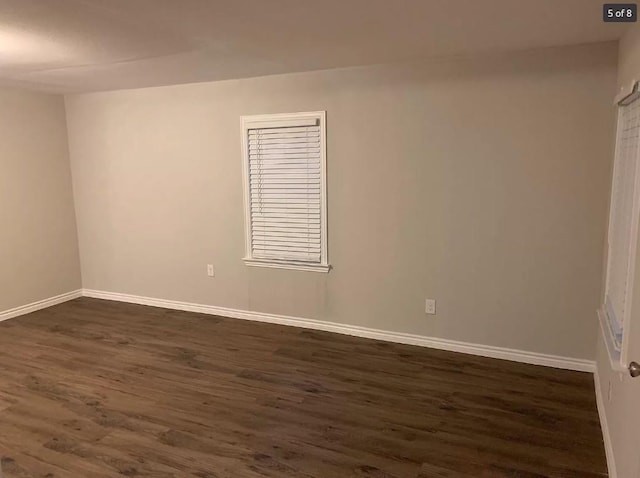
[(285, 178), (622, 229)]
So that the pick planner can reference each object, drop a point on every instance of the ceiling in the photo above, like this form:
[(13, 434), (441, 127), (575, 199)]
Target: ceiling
[(91, 45)]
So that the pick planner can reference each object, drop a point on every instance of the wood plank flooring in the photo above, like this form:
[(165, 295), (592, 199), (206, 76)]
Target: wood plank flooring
[(94, 388)]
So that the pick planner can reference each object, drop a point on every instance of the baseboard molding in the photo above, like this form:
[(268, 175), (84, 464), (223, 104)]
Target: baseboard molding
[(388, 336), (39, 305), (608, 446)]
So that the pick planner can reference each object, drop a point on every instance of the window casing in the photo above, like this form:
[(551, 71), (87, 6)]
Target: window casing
[(284, 164)]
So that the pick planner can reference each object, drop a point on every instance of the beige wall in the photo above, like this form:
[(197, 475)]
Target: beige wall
[(621, 410), (480, 182), (38, 244)]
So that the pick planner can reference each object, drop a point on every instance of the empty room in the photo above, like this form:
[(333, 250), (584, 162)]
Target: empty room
[(319, 239)]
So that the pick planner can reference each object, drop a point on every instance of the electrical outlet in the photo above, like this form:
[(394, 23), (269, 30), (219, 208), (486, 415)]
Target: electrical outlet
[(210, 271), (430, 306)]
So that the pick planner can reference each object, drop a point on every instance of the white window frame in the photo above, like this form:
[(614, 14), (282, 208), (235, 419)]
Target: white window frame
[(274, 121)]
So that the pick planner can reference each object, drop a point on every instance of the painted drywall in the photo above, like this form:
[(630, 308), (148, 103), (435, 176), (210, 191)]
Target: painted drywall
[(480, 182), (39, 247), (621, 410)]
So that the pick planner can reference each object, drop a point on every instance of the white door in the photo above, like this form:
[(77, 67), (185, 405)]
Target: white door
[(632, 402), (627, 411)]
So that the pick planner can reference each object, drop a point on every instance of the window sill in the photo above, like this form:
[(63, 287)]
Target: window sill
[(297, 266)]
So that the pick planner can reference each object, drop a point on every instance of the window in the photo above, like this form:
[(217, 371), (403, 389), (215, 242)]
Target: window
[(284, 161), (623, 221)]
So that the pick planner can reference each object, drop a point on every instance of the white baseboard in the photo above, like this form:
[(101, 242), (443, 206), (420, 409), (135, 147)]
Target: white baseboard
[(354, 330), (555, 361), (39, 305), (608, 446)]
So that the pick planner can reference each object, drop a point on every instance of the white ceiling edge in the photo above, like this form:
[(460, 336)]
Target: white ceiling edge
[(74, 46)]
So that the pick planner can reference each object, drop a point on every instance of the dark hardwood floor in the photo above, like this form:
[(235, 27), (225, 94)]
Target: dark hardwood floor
[(93, 388)]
